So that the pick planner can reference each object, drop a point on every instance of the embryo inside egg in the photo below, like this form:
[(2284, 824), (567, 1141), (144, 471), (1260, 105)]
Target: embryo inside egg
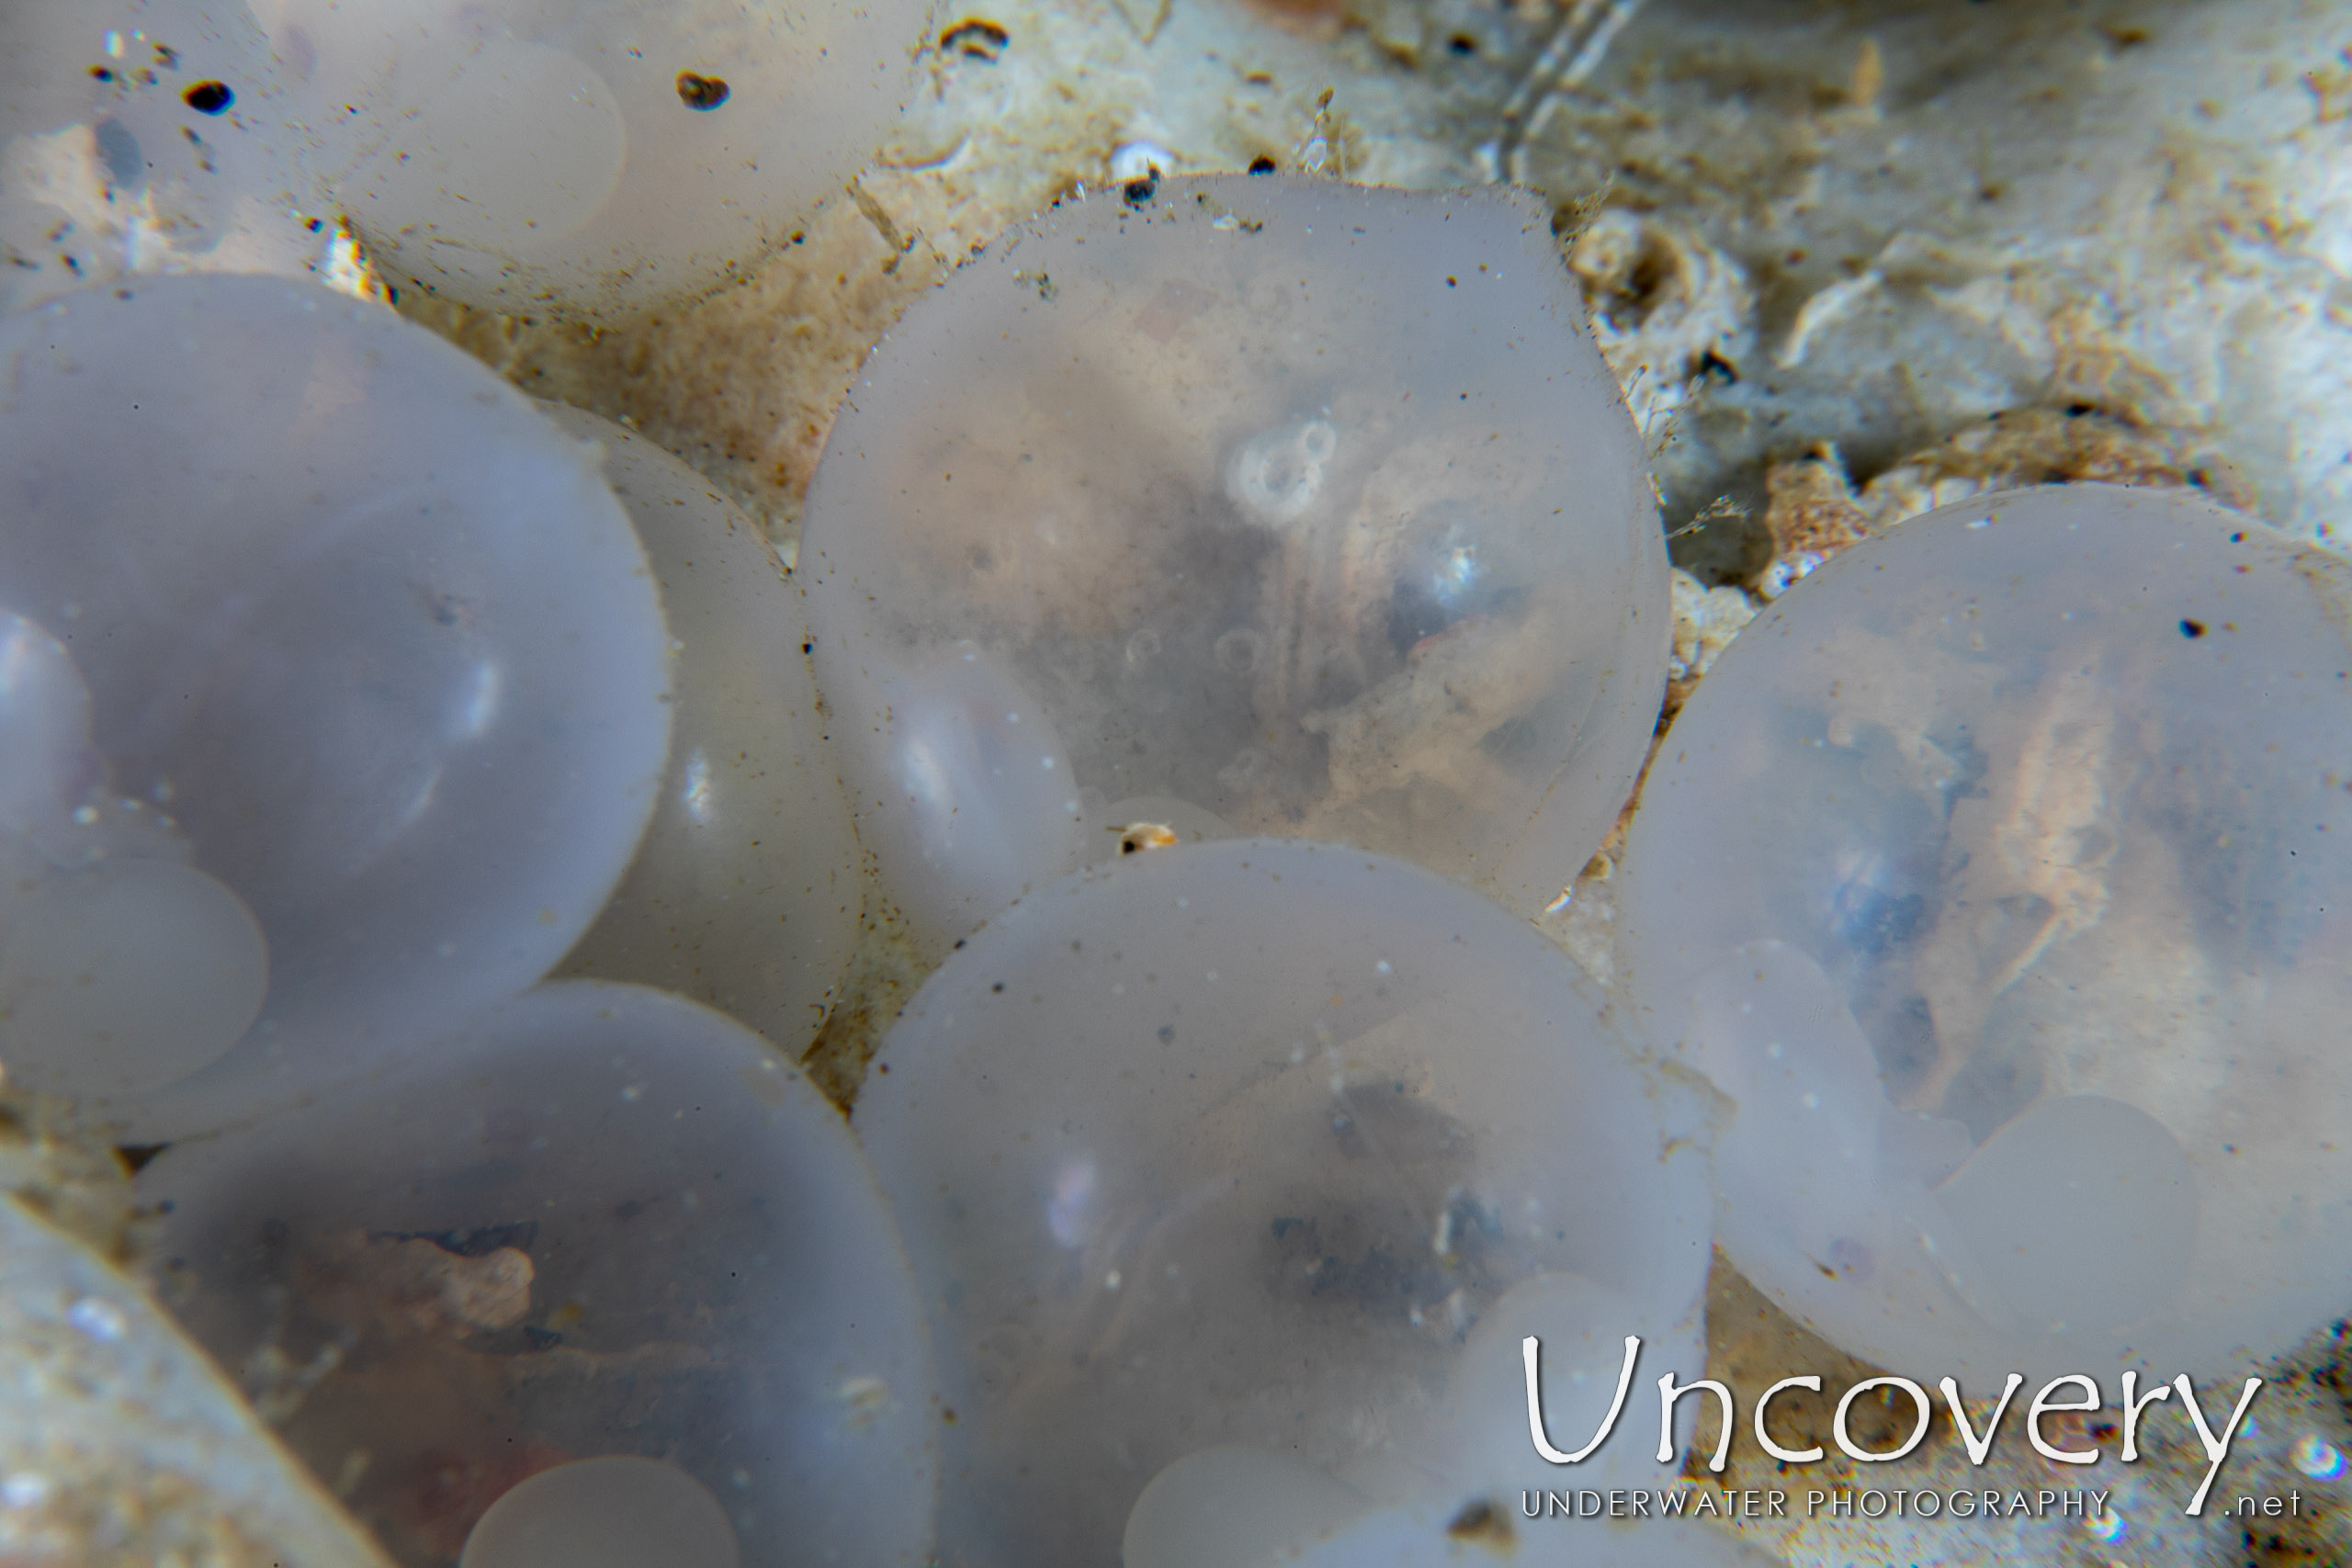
[(1309, 506), (1278, 1146), (2004, 893), (596, 1245)]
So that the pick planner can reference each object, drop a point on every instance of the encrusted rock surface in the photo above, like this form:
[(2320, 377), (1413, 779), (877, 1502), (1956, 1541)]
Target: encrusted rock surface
[(121, 1446)]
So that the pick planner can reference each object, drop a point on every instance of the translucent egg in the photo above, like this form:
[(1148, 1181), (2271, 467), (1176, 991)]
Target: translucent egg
[(599, 1227), (1280, 1146), (302, 601), (594, 157), (141, 136), (2002, 876), (745, 893), (1308, 507)]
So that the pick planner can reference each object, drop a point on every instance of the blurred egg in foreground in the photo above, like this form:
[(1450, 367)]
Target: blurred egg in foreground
[(615, 1512), (317, 606), (597, 1221)]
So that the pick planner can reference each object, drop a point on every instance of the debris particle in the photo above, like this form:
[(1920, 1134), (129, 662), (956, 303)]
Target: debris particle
[(701, 93), (976, 39), (1138, 837), (1481, 1522), (1869, 80)]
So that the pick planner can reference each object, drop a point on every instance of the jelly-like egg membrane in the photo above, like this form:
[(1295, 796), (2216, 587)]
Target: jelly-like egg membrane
[(598, 1222), (311, 601), (1997, 875), (1309, 506), (1245, 1144)]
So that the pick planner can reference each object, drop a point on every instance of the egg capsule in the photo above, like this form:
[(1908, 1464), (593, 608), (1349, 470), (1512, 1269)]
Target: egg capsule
[(308, 603), (978, 804), (746, 892), (585, 158), (1996, 873), (599, 1255), (1311, 507), (1243, 1144)]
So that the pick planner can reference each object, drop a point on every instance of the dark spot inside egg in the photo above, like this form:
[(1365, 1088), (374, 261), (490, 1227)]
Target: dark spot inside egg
[(208, 97), (975, 37), (701, 93)]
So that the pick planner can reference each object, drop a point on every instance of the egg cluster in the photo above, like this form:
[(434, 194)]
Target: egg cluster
[(521, 154), (1234, 607)]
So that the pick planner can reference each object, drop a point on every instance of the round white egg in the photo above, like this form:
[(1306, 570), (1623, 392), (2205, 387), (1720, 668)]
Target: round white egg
[(597, 1221), (362, 638), (746, 892), (1310, 507), (2001, 875), (615, 1512), (1242, 1144), (126, 975)]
